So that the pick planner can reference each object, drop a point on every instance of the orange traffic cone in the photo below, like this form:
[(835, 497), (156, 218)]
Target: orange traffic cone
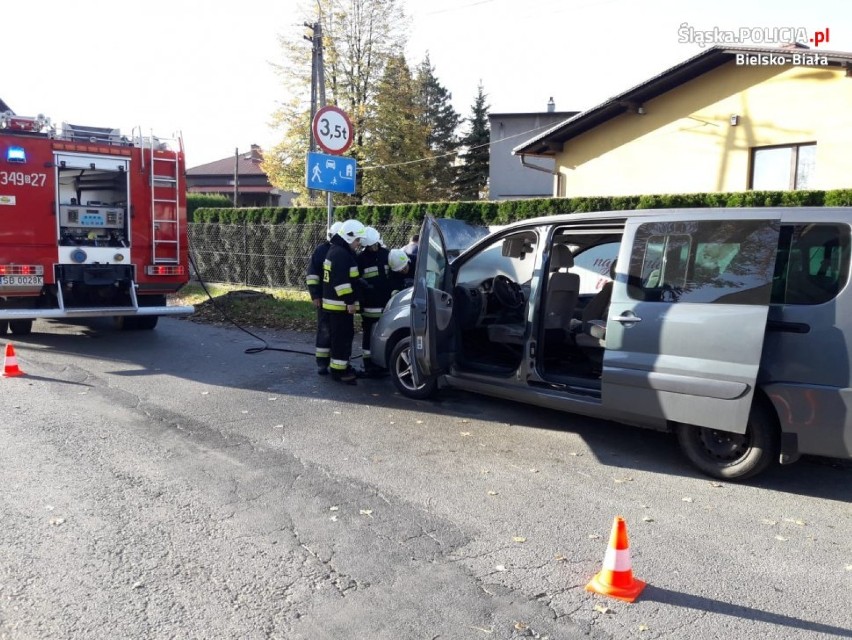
[(10, 365), (616, 578)]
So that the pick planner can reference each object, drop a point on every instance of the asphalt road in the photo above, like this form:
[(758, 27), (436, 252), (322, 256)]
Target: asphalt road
[(167, 485)]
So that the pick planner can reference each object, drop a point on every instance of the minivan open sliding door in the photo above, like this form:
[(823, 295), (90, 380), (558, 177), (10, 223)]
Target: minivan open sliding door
[(431, 306), (688, 315)]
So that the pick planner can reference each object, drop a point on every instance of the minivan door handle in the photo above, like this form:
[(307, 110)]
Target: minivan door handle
[(627, 318)]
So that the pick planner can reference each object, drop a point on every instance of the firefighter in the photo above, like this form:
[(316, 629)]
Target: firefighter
[(401, 271), (340, 297), (314, 282), (373, 263)]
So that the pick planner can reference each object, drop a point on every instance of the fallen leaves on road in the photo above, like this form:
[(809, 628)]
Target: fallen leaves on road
[(647, 519), (518, 539), (603, 609), (366, 512), (464, 434)]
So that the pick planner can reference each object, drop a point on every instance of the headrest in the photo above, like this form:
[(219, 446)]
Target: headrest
[(612, 269), (561, 257)]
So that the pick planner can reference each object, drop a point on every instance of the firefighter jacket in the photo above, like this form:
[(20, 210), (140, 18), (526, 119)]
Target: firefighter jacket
[(314, 276), (376, 291), (340, 276)]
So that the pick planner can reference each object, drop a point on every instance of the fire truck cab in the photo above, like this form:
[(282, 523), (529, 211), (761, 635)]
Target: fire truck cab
[(92, 223)]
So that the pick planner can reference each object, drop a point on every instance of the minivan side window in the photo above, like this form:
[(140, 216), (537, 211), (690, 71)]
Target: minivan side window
[(725, 262), (812, 264)]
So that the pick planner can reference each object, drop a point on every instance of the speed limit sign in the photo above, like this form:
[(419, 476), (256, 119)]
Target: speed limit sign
[(333, 130)]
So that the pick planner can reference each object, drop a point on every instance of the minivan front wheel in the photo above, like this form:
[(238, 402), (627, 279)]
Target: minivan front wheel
[(733, 456), (400, 369)]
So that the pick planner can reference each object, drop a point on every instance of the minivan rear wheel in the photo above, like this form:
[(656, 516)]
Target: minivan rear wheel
[(733, 456), (400, 370)]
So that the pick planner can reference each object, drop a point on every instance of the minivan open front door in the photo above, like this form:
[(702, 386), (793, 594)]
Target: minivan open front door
[(687, 319), (431, 306)]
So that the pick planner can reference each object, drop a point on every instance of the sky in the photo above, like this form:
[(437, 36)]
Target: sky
[(205, 69)]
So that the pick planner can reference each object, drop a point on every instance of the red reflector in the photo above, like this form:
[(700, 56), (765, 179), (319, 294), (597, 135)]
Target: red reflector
[(165, 270), (21, 270)]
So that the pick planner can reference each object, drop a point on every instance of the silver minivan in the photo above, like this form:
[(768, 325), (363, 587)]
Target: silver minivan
[(725, 326)]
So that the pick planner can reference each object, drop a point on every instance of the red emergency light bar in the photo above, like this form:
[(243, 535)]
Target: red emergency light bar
[(21, 270), (165, 270)]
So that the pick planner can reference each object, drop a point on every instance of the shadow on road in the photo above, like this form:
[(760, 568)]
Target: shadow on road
[(214, 355), (710, 605)]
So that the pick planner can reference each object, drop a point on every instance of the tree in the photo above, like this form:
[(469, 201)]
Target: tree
[(472, 180), (398, 140), (359, 38), (442, 122)]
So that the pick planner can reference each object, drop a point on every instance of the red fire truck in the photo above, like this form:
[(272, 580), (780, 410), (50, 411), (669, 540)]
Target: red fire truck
[(92, 223)]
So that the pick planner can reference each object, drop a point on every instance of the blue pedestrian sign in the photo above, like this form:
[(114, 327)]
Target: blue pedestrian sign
[(325, 172)]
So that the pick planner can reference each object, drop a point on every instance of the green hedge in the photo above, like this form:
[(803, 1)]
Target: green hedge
[(506, 211), (195, 201)]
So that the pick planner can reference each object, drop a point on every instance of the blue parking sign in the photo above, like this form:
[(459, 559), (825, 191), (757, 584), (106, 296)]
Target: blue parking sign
[(326, 172)]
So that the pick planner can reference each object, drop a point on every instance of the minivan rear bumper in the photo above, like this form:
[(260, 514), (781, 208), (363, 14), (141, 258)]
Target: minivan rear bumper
[(814, 419)]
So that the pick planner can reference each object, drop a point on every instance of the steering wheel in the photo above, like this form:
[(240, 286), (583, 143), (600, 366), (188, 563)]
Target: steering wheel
[(508, 292)]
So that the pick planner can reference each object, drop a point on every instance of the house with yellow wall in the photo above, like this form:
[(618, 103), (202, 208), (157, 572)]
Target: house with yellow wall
[(727, 119)]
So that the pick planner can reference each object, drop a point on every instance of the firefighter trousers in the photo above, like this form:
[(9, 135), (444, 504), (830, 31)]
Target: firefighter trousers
[(342, 328), (323, 339)]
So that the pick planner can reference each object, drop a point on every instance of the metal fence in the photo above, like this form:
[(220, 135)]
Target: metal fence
[(267, 255)]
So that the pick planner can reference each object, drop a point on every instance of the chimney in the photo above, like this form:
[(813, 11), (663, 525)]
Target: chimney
[(551, 105)]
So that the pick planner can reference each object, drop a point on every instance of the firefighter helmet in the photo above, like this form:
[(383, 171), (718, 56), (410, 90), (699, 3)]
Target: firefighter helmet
[(333, 229), (398, 259), (371, 237), (351, 230)]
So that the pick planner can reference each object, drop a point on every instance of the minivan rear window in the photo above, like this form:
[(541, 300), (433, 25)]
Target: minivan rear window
[(812, 263)]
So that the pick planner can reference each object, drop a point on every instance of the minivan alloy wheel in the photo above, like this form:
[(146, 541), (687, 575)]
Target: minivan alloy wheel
[(403, 380)]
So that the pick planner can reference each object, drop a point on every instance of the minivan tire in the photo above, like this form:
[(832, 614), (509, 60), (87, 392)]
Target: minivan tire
[(400, 370), (733, 456)]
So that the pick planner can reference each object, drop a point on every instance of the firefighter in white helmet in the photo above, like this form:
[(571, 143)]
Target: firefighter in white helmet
[(340, 296), (373, 262), (314, 282), (401, 270)]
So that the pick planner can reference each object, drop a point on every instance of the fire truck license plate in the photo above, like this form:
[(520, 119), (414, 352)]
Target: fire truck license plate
[(21, 281)]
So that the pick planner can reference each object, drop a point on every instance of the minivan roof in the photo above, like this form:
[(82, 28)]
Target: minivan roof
[(686, 213)]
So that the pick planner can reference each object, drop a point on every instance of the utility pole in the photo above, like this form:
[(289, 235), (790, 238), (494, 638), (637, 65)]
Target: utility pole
[(236, 176), (318, 94)]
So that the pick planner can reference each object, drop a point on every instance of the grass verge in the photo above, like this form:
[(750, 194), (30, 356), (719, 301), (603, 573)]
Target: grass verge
[(257, 307)]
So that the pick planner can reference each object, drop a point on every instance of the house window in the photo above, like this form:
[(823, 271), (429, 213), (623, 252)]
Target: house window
[(784, 167)]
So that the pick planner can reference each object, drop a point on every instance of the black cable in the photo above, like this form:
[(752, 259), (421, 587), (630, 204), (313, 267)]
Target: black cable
[(250, 350)]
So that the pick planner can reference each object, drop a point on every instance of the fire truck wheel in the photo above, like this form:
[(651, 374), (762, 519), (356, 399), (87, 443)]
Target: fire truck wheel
[(146, 323), (21, 327), (4, 327), (126, 323)]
